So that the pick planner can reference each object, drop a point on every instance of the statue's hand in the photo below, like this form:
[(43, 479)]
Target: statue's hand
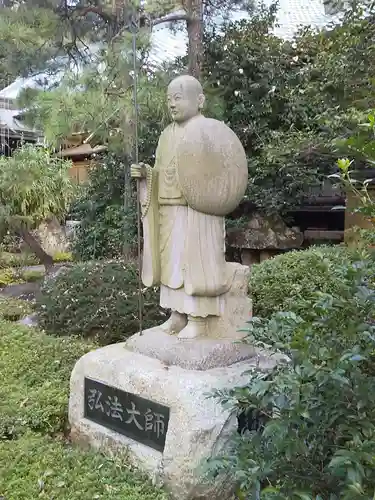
[(138, 171)]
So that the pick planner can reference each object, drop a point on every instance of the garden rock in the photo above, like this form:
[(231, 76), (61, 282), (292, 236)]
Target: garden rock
[(52, 237), (55, 273), (261, 233), (31, 320)]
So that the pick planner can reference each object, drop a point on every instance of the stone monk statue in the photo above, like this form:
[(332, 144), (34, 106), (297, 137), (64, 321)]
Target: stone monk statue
[(200, 175)]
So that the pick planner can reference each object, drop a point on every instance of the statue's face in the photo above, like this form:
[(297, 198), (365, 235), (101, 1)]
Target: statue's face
[(182, 104)]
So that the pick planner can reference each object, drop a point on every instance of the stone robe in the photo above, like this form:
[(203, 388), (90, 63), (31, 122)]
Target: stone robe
[(184, 250)]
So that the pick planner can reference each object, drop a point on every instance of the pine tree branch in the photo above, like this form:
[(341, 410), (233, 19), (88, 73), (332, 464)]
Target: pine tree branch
[(82, 12), (171, 19)]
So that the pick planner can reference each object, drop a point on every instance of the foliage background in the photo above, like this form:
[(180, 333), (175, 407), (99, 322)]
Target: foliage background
[(289, 102), (108, 220)]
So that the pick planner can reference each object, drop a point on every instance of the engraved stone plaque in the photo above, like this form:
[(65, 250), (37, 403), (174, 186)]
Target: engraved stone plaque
[(133, 416)]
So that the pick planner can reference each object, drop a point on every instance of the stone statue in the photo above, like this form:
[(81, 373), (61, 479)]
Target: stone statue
[(200, 175)]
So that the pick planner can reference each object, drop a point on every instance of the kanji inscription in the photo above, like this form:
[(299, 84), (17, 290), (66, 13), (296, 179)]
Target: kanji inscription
[(140, 419)]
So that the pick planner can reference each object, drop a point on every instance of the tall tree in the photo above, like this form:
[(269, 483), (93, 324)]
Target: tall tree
[(85, 45), (195, 15), (53, 34), (93, 37)]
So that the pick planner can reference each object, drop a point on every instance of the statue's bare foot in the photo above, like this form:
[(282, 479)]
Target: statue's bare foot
[(175, 323), (196, 327)]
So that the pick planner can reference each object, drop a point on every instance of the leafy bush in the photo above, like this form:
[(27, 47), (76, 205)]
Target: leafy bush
[(289, 101), (105, 224), (359, 182), (97, 299), (317, 438), (30, 275), (35, 371), (34, 186), (14, 309), (36, 466), (8, 259), (8, 276), (14, 275), (9, 242), (62, 257), (278, 283)]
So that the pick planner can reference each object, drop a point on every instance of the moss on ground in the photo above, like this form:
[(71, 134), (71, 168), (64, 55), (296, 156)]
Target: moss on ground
[(23, 259), (36, 461), (40, 467), (34, 386), (14, 309)]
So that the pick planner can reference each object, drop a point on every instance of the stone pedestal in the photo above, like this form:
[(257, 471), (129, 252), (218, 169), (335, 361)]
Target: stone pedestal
[(180, 375), (156, 369), (197, 354)]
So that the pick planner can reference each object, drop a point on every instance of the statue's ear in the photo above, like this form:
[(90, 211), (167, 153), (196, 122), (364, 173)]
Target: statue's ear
[(201, 100)]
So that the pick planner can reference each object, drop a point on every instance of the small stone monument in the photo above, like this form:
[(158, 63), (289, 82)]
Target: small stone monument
[(148, 396)]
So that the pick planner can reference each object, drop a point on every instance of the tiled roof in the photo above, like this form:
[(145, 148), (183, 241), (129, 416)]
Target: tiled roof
[(12, 125), (292, 14), (12, 91)]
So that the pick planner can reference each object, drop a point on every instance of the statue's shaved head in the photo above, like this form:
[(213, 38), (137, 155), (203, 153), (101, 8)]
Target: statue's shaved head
[(186, 83), (185, 98)]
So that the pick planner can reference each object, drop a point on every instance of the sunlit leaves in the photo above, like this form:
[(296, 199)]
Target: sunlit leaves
[(34, 185), (319, 437)]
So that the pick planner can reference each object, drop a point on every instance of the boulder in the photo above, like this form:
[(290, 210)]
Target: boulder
[(265, 232)]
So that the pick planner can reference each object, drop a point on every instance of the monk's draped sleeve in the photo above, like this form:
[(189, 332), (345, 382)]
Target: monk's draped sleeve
[(150, 222)]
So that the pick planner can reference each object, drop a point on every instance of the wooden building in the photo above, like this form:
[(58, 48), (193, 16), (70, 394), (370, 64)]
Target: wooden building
[(81, 154)]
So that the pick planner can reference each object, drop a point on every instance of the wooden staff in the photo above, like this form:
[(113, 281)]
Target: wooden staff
[(134, 28)]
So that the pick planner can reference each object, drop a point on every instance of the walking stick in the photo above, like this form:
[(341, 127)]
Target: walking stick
[(134, 30)]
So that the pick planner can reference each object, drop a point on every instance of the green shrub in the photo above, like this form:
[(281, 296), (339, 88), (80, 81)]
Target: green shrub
[(7, 277), (9, 241), (30, 276), (106, 227), (34, 387), (35, 466), (316, 437), (11, 276), (14, 309), (8, 259), (62, 257), (278, 283), (97, 299)]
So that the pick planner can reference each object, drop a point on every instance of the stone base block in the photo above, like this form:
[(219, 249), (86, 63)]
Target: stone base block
[(236, 306), (194, 354), (198, 426)]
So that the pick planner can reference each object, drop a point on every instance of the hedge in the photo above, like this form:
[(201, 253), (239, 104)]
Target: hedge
[(97, 299), (276, 283)]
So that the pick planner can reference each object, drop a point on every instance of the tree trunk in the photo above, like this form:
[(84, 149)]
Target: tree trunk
[(195, 35), (45, 259)]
